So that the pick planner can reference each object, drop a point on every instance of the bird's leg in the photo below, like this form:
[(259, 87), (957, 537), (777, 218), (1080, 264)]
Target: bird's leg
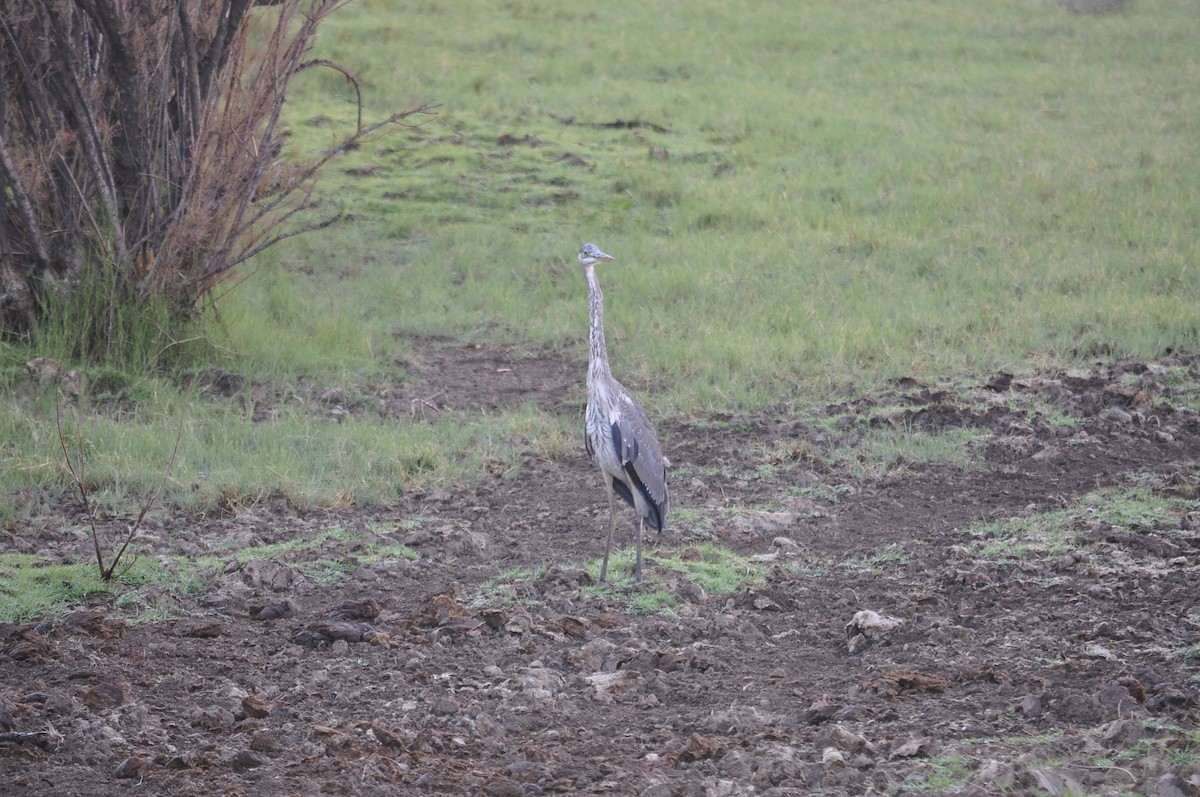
[(612, 526), (637, 570)]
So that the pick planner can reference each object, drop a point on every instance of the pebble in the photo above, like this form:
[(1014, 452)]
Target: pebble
[(444, 707)]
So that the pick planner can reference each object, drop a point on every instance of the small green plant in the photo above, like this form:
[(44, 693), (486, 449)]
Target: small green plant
[(883, 560), (326, 570), (658, 601), (942, 774)]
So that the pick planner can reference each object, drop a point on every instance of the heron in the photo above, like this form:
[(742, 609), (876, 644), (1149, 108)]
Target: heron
[(617, 431)]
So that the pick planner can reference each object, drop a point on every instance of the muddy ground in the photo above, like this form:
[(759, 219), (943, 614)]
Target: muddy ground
[(492, 665)]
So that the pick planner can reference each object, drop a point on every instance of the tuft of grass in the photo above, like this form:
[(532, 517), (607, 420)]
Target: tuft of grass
[(715, 569), (885, 449), (1051, 533), (880, 561), (32, 587), (100, 320), (655, 601)]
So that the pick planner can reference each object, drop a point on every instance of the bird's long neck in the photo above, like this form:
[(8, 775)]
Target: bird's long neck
[(597, 350)]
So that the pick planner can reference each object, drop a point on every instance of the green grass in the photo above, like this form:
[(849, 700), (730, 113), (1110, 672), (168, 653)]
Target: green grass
[(886, 449), (954, 765), (33, 587), (928, 190), (714, 568), (226, 460), (1135, 508), (885, 560), (909, 193)]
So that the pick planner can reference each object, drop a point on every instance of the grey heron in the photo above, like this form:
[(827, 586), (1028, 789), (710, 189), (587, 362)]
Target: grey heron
[(618, 433)]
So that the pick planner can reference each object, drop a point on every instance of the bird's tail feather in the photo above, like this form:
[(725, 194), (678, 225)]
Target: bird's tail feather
[(654, 516)]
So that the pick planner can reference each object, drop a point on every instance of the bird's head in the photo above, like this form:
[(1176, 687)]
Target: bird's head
[(590, 255)]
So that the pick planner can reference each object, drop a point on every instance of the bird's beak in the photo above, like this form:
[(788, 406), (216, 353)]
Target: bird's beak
[(603, 258)]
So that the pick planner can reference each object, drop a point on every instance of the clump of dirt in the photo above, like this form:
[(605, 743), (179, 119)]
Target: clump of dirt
[(890, 644)]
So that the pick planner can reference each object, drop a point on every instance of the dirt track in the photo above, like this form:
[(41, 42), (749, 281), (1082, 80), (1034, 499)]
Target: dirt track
[(1032, 671)]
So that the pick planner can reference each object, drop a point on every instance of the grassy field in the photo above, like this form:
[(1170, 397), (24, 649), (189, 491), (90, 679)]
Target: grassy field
[(804, 203), (845, 197)]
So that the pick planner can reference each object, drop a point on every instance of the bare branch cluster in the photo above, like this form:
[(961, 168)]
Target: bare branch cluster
[(145, 136)]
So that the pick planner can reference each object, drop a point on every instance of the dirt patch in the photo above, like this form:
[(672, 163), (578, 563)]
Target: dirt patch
[(439, 380), (885, 645)]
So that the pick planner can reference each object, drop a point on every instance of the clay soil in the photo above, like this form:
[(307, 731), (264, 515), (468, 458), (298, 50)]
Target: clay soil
[(492, 664)]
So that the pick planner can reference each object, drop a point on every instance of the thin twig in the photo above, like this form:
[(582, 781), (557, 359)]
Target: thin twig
[(346, 73), (137, 524), (77, 476)]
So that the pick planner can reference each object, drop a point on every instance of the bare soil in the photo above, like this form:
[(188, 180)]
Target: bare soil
[(1068, 670)]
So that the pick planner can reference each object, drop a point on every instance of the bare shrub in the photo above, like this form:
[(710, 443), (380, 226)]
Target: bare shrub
[(140, 141)]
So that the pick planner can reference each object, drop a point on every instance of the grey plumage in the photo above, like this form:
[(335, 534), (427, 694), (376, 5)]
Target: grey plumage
[(619, 436)]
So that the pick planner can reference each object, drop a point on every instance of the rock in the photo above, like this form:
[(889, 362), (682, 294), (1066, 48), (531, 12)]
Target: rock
[(246, 759), (832, 756), (59, 704), (104, 695), (444, 707), (214, 718), (848, 740), (1171, 785), (503, 787), (255, 706), (994, 777), (467, 543), (765, 524), (613, 683), (1117, 414), (658, 790), (1047, 454), (870, 626), (132, 767), (269, 575), (327, 632), (1052, 780), (265, 742), (1121, 734), (363, 609), (541, 683), (557, 576), (697, 747), (921, 746)]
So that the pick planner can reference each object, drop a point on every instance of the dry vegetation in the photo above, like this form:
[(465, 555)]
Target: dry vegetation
[(139, 153)]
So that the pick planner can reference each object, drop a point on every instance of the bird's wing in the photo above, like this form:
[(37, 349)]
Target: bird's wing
[(641, 457)]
